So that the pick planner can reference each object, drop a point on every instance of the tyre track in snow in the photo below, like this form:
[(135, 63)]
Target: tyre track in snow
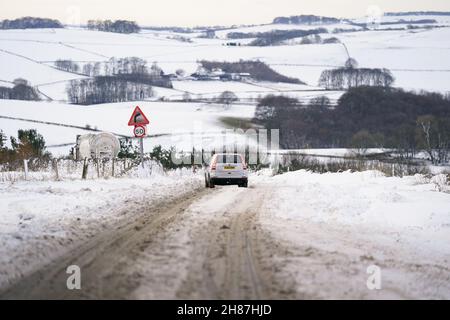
[(106, 261), (233, 255), (243, 277), (226, 254)]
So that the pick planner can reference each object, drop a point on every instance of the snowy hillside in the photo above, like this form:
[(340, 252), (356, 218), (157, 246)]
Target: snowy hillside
[(412, 55), (418, 58), (172, 120)]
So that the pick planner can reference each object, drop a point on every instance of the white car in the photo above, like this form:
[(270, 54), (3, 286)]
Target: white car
[(226, 169)]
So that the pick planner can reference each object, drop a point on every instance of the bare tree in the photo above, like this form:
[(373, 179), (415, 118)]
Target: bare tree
[(67, 65), (361, 141), (351, 63), (435, 138), (87, 69), (322, 101), (227, 98)]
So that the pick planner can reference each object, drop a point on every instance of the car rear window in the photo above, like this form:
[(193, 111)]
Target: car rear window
[(229, 158)]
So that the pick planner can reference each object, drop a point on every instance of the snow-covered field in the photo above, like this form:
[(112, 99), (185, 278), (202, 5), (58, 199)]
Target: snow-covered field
[(413, 55), (419, 60), (174, 120)]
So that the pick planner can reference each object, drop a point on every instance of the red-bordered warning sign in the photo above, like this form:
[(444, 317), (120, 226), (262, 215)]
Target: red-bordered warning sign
[(138, 118)]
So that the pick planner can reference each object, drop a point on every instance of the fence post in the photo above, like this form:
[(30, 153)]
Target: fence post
[(25, 168), (193, 159), (113, 162), (55, 167), (247, 154), (98, 167), (85, 169)]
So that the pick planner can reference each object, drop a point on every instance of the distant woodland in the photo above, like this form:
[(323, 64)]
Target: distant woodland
[(118, 26), (365, 117), (30, 23)]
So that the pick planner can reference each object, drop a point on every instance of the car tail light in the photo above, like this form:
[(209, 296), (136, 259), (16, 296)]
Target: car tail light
[(213, 164), (244, 165)]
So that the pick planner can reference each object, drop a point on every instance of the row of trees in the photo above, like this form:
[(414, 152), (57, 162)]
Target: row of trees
[(313, 39), (105, 89), (131, 65), (67, 65), (124, 79), (365, 117), (30, 23), (111, 67), (345, 78), (114, 66), (131, 69), (305, 19), (274, 37), (418, 13), (22, 90), (119, 26)]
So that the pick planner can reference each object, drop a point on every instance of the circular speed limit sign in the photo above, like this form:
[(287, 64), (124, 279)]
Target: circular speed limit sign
[(139, 131)]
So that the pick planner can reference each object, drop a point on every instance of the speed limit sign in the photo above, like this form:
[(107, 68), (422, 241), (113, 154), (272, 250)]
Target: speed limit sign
[(139, 131)]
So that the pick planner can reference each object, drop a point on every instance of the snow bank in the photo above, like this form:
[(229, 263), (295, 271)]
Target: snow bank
[(410, 205), (362, 197), (42, 220), (333, 226)]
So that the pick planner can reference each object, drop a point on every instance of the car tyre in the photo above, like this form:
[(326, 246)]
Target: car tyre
[(206, 181)]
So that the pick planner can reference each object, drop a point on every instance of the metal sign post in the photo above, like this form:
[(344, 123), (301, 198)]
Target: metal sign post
[(139, 121), (141, 140)]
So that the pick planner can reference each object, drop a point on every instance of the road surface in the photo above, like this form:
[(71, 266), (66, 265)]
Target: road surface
[(218, 244)]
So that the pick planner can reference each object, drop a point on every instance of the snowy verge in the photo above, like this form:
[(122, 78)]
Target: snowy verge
[(411, 203), (335, 225), (42, 220)]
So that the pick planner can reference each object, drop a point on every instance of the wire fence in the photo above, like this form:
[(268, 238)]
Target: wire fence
[(327, 163), (68, 169)]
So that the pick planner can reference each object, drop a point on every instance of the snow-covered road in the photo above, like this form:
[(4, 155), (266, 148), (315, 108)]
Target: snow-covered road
[(297, 236)]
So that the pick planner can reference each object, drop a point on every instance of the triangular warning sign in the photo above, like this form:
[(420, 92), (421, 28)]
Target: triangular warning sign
[(138, 118)]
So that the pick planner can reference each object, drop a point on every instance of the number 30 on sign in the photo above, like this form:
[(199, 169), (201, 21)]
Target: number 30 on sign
[(139, 131)]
